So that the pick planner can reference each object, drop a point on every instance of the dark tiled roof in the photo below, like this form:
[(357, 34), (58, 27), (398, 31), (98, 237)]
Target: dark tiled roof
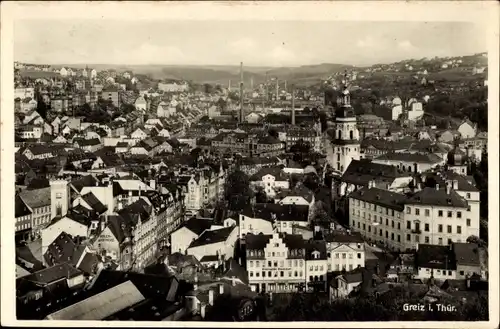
[(84, 181), (60, 250), (36, 198), (360, 172), (212, 236), (52, 274), (353, 237), (209, 258), (315, 246), (276, 212), (292, 241), (197, 225), (410, 157), (435, 256), (21, 208), (277, 172), (466, 254), (434, 197), (94, 202), (380, 197), (89, 142)]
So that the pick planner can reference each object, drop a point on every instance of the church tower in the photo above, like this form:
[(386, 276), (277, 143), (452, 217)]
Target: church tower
[(59, 197), (345, 143)]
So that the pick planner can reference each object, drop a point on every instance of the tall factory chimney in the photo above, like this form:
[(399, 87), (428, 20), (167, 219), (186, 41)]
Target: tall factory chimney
[(251, 83), (229, 85), (293, 105), (241, 92), (267, 89), (277, 89), (285, 86)]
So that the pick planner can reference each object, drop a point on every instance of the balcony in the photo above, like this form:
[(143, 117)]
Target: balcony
[(416, 231)]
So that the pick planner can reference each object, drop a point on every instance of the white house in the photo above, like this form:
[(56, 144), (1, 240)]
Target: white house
[(217, 242)]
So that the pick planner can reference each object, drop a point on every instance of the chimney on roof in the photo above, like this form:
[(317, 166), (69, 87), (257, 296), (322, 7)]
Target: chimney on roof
[(211, 297), (448, 187), (221, 289), (455, 184), (202, 311)]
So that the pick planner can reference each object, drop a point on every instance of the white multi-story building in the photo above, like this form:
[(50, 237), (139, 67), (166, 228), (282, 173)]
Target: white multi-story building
[(276, 262), (345, 252), (440, 215)]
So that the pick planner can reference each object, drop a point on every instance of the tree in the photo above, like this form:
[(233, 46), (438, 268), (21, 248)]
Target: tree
[(208, 88), (260, 195), (273, 132), (237, 191)]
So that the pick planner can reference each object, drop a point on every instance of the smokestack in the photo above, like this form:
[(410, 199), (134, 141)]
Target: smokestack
[(293, 105), (241, 92), (211, 297), (277, 88), (267, 89), (251, 83), (229, 85), (285, 86)]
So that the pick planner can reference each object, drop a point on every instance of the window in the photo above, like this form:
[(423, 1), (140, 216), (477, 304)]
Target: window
[(440, 228), (468, 195), (337, 267), (269, 263), (263, 274), (417, 211), (350, 267), (257, 263), (408, 225), (468, 208), (408, 237), (426, 239), (369, 228), (58, 195), (440, 241), (344, 255), (408, 210), (337, 255), (459, 214), (461, 272), (449, 228), (459, 229), (282, 274), (392, 213), (359, 255), (350, 255), (449, 241), (364, 227), (427, 212), (257, 274), (251, 274), (359, 226), (387, 222), (392, 224), (450, 214), (426, 227), (468, 221), (440, 213), (399, 226), (399, 238)]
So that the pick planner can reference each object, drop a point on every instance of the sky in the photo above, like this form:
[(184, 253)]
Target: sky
[(264, 43)]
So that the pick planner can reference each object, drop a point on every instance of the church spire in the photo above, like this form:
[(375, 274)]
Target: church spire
[(345, 98)]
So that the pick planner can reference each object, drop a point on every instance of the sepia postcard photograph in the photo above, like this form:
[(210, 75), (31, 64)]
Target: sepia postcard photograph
[(259, 162)]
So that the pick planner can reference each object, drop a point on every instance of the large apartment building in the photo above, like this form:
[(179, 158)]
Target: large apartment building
[(444, 213)]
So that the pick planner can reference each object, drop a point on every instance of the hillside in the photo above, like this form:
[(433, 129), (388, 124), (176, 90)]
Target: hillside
[(305, 75)]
